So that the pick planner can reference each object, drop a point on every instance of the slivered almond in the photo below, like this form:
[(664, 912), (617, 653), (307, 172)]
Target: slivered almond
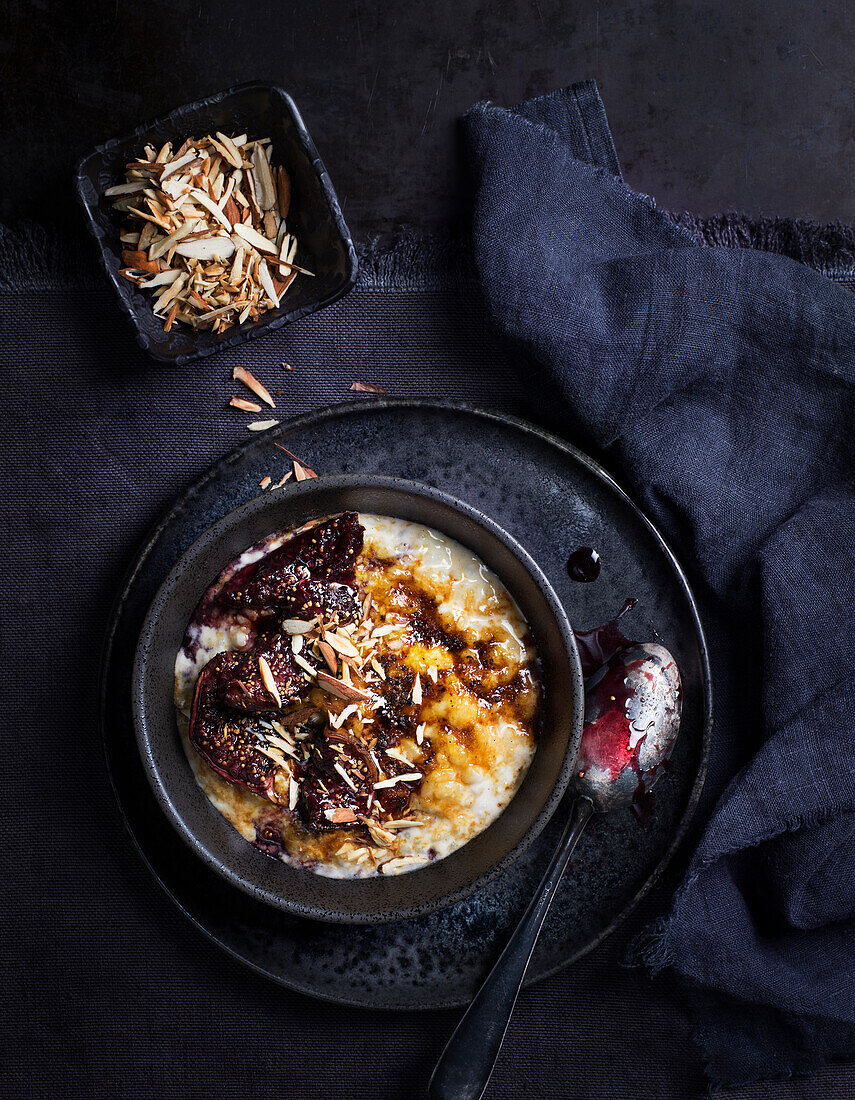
[(381, 835), (265, 187), (265, 481), (261, 425), (328, 654), (387, 628), (417, 689), (170, 317), (228, 148), (306, 667), (368, 387), (340, 815), (298, 626), (269, 682), (212, 208), (294, 458), (231, 211), (283, 191), (293, 793), (275, 756), (342, 645), (408, 777), (247, 406), (140, 261), (254, 238), (342, 771), (342, 690), (266, 281), (125, 189), (249, 380)]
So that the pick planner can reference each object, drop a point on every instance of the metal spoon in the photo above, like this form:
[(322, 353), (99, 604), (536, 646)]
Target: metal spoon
[(632, 718)]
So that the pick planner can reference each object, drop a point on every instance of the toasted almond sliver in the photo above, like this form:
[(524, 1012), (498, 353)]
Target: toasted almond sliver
[(342, 645), (340, 816), (267, 282), (305, 666), (211, 248), (172, 167), (274, 755), (265, 481), (247, 406), (408, 777), (328, 654), (212, 208), (125, 188), (343, 773), (171, 292), (249, 380), (229, 150), (269, 682), (417, 689), (170, 317), (293, 793), (254, 238), (162, 278), (367, 387), (282, 480), (265, 187), (160, 248), (157, 219), (342, 690), (387, 628), (297, 626), (261, 425)]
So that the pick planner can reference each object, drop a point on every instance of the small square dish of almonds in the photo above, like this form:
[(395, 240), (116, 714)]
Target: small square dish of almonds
[(217, 223)]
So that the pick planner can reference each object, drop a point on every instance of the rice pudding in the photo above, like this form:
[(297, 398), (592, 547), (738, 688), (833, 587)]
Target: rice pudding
[(359, 696)]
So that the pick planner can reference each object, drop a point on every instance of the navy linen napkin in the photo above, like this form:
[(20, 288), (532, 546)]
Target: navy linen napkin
[(718, 383)]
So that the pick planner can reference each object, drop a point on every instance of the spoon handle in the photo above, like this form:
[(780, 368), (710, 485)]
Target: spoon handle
[(464, 1067)]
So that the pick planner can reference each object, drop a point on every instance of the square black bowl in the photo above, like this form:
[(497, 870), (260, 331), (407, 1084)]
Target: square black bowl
[(324, 243)]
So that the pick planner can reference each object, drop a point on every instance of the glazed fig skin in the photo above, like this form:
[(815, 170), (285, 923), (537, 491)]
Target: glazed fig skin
[(309, 574)]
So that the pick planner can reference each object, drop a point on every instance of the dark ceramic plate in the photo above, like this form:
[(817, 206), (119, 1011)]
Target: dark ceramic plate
[(379, 898), (325, 247), (553, 498)]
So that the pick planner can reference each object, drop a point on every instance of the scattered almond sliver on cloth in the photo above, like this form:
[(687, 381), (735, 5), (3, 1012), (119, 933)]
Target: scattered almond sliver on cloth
[(206, 230)]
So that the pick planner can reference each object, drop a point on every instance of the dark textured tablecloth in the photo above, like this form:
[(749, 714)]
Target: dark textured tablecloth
[(107, 990)]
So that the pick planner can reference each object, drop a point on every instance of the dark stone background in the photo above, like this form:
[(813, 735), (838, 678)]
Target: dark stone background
[(714, 106), (731, 105)]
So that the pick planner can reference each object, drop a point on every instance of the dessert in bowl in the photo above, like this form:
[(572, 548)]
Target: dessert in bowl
[(378, 698)]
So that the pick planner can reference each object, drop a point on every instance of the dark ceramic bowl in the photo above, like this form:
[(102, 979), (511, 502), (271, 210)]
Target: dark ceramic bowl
[(325, 246), (302, 892)]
